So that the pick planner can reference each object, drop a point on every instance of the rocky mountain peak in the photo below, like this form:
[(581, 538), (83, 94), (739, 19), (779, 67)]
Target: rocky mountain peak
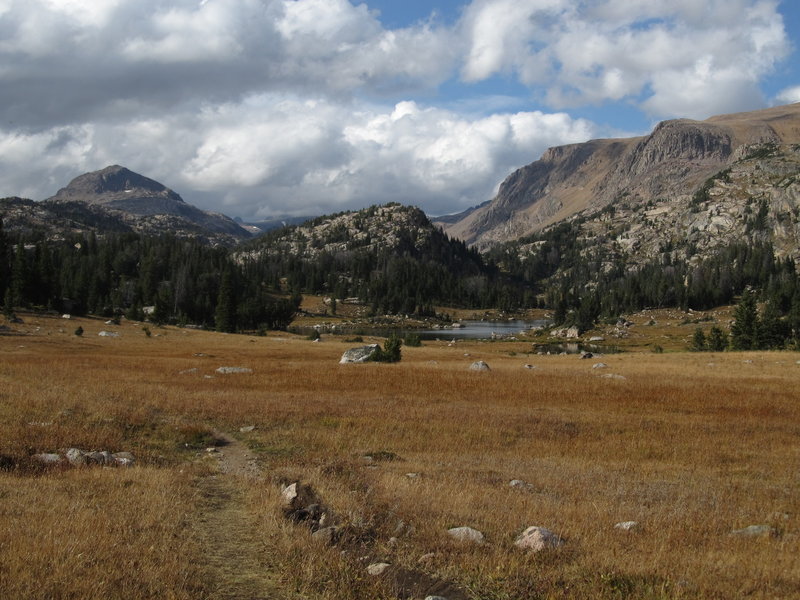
[(118, 187)]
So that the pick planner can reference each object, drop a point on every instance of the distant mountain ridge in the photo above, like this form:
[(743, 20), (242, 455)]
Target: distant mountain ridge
[(671, 163), (115, 199)]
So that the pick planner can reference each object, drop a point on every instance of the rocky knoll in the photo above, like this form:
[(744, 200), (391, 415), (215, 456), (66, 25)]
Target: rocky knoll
[(669, 164)]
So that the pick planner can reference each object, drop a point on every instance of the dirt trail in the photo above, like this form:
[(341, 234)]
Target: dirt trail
[(236, 561)]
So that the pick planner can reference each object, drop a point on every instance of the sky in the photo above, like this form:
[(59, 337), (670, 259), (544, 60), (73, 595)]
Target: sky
[(264, 108)]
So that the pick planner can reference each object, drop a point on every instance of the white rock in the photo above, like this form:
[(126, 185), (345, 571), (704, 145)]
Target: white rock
[(753, 531), (627, 525), (537, 539), (233, 370), (111, 334), (247, 428), (466, 534), (613, 376), (377, 568), (479, 365), (599, 366), (65, 316), (75, 457), (359, 355), (289, 493), (47, 458)]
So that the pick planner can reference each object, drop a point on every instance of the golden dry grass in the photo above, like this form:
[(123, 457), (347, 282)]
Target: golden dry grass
[(692, 446)]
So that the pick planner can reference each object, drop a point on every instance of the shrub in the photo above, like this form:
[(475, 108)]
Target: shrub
[(79, 331), (390, 351), (412, 340)]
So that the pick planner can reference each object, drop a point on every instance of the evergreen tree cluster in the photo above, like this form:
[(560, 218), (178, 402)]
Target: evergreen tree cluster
[(184, 280)]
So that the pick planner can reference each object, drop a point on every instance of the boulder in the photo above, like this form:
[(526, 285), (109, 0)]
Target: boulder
[(600, 365), (326, 535), (573, 333), (627, 525), (233, 370), (47, 458), (466, 534), (585, 355), (123, 459), (597, 338), (75, 457), (479, 365), (111, 334), (359, 355), (99, 458), (537, 539)]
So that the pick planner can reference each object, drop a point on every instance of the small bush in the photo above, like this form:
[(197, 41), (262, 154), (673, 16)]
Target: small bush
[(412, 340), (390, 352), (147, 331), (79, 331), (313, 336)]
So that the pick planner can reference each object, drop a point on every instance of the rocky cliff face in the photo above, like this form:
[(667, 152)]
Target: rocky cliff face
[(669, 164), (117, 199)]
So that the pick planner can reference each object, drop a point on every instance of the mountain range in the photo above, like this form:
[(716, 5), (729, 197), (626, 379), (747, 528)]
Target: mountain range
[(661, 171)]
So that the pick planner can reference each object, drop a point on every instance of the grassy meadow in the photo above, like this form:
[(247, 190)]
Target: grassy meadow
[(690, 446)]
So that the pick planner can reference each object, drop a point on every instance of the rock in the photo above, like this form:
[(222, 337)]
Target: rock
[(613, 376), (123, 459), (537, 539), (326, 535), (479, 365), (111, 334), (754, 531), (189, 371), (412, 475), (75, 457), (466, 534), (247, 429), (627, 525), (573, 333), (289, 493), (47, 458), (530, 367), (233, 370), (597, 338), (435, 598), (99, 458), (585, 355), (520, 485), (376, 569), (359, 355), (599, 366), (65, 316)]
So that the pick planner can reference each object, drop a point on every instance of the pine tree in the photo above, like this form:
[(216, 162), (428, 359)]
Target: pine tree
[(225, 314), (699, 341), (717, 339), (745, 327)]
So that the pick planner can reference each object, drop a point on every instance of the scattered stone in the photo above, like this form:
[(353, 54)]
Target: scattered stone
[(326, 535), (233, 370), (247, 429), (573, 333), (189, 371), (75, 457), (597, 338), (585, 355), (412, 475), (600, 365), (530, 367), (537, 539), (111, 334), (212, 450), (124, 459), (435, 598), (99, 458), (466, 534), (627, 525), (47, 458), (754, 531), (40, 423), (747, 362), (376, 569), (520, 485), (479, 365), (613, 376), (289, 493)]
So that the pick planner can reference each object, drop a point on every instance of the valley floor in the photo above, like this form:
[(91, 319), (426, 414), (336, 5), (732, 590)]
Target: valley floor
[(695, 448)]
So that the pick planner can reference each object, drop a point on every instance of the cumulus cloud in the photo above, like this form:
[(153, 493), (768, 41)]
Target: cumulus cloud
[(674, 57)]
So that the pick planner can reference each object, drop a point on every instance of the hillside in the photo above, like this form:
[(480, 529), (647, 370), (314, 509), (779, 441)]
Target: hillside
[(666, 168), (390, 257), (115, 200)]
